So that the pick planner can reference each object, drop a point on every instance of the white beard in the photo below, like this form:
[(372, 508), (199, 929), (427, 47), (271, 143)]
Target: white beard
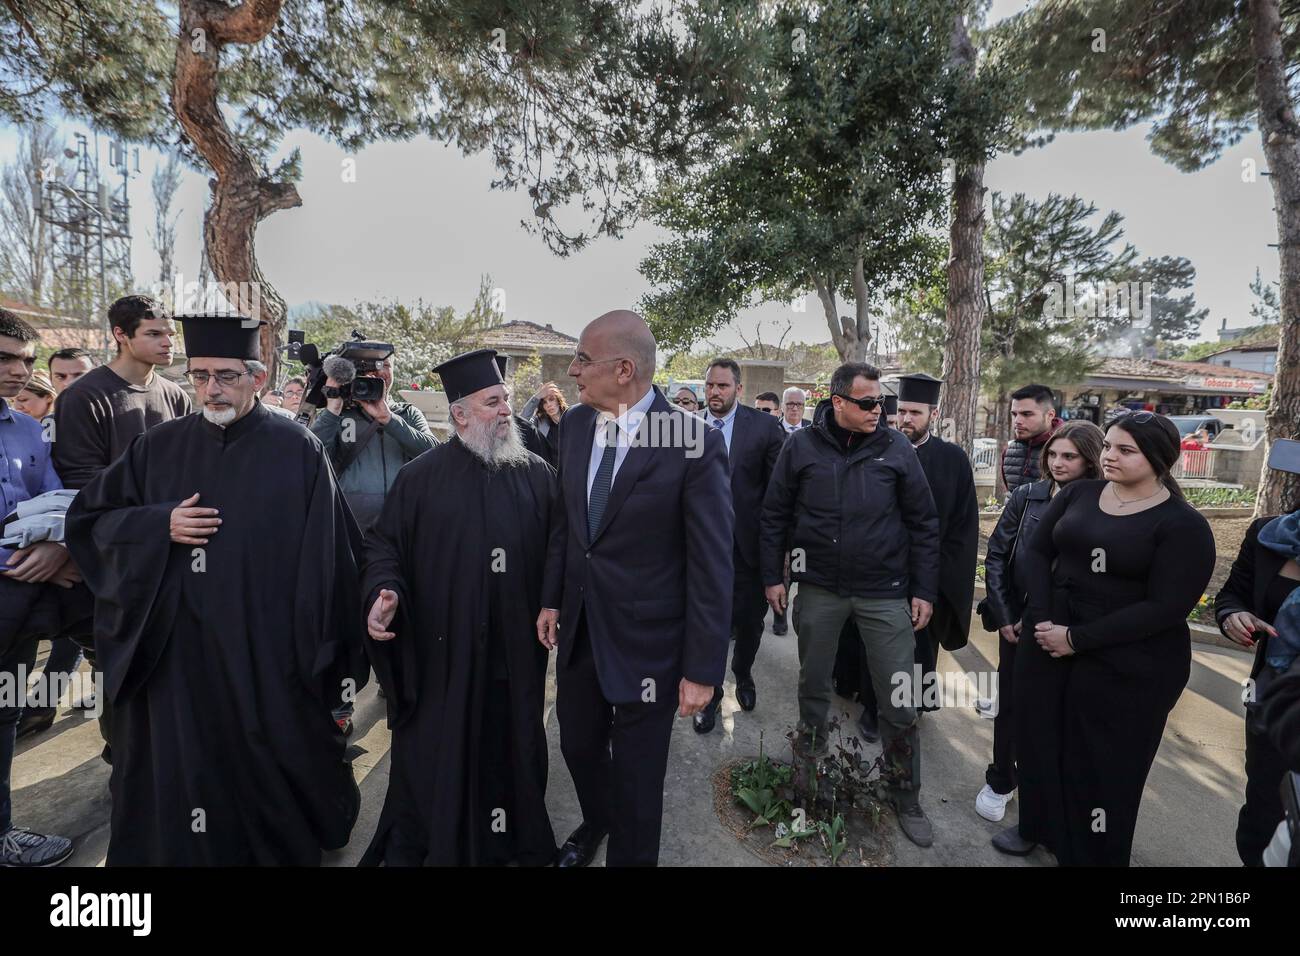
[(494, 450), (222, 418)]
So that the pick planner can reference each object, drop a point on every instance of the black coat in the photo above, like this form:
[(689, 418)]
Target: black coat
[(952, 483), (1256, 566), (865, 518), (1004, 594), (454, 536), (223, 662), (756, 440), (647, 617)]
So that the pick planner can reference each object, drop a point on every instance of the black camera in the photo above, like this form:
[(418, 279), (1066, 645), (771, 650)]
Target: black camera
[(353, 364)]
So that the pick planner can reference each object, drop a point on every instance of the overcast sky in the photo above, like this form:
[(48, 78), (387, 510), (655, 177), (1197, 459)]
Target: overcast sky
[(420, 221)]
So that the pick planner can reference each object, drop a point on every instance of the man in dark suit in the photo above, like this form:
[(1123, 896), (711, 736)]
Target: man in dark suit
[(643, 486), (753, 440)]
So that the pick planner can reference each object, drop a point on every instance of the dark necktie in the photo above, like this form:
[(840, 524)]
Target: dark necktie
[(604, 478)]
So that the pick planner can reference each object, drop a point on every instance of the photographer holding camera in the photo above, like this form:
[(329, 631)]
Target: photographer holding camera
[(368, 440)]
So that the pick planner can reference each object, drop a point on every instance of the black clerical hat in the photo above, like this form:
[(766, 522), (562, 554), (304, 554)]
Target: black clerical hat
[(502, 359), (919, 388), (221, 336), (469, 372), (891, 404)]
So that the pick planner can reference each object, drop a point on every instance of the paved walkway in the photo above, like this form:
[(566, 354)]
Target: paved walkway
[(1188, 815)]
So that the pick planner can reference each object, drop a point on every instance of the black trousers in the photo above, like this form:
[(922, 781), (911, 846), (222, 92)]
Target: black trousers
[(1262, 811), (617, 755), (1001, 773), (748, 609)]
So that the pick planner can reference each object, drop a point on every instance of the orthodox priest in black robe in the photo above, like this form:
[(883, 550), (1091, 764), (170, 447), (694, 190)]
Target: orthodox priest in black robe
[(452, 582), (952, 483), (222, 658)]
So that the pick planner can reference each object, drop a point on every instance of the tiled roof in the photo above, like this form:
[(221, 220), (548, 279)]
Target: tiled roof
[(1120, 367), (520, 334), (1209, 368)]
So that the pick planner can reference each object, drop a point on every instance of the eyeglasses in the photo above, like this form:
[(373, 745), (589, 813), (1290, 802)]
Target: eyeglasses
[(794, 404), (686, 401), (866, 404), (224, 378), (581, 362)]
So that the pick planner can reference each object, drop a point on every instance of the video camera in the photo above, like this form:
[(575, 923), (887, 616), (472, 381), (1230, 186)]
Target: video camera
[(352, 364)]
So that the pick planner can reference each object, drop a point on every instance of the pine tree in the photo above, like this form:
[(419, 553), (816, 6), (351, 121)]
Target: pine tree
[(1203, 75)]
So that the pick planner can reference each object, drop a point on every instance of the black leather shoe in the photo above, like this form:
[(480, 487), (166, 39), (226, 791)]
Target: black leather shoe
[(34, 721), (746, 694), (779, 627), (581, 846), (704, 721), (1010, 842)]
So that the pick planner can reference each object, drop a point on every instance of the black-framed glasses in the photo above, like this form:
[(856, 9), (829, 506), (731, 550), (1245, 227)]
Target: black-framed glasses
[(225, 378), (687, 401), (868, 404)]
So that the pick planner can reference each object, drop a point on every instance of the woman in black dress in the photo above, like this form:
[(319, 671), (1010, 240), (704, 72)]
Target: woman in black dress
[(1117, 566)]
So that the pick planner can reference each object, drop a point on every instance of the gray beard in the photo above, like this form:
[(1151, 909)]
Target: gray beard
[(493, 450), (222, 418)]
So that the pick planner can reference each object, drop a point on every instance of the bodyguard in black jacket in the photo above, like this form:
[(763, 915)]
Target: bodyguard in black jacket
[(862, 514), (849, 500)]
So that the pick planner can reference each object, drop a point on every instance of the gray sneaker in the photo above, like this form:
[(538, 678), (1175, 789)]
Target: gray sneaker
[(915, 824), (19, 846)]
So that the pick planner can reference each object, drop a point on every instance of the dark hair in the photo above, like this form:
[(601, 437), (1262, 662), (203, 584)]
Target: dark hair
[(1038, 393), (69, 355), (1086, 437), (129, 311), (730, 365), (842, 378), (13, 327), (772, 397), (1159, 442)]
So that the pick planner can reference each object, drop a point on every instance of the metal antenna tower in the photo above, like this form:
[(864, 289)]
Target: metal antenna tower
[(90, 235)]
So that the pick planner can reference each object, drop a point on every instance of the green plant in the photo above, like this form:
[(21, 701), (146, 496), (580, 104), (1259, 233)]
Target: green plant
[(1220, 497), (813, 795), (764, 788), (834, 838)]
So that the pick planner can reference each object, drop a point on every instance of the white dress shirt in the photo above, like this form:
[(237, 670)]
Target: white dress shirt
[(728, 424), (628, 423)]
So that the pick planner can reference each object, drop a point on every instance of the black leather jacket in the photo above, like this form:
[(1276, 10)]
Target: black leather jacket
[(1004, 597)]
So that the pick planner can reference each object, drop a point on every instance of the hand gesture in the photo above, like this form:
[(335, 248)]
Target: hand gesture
[(192, 525)]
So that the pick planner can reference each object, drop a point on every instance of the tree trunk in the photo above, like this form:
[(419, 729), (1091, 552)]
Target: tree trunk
[(1279, 491), (241, 196), (850, 336), (965, 306), (1002, 432)]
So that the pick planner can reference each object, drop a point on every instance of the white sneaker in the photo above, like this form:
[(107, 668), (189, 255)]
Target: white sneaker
[(992, 805), (986, 707)]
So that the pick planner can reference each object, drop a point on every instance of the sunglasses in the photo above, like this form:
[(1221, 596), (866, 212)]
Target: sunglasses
[(866, 404)]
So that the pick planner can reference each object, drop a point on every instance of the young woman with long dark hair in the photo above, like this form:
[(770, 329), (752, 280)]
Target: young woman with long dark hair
[(1116, 567), (1073, 452)]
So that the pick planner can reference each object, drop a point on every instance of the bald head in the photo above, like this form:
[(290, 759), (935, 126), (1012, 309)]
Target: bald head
[(625, 334), (615, 361)]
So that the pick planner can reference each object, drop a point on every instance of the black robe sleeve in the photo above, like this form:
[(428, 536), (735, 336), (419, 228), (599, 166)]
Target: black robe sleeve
[(122, 546), (382, 569), (954, 493)]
